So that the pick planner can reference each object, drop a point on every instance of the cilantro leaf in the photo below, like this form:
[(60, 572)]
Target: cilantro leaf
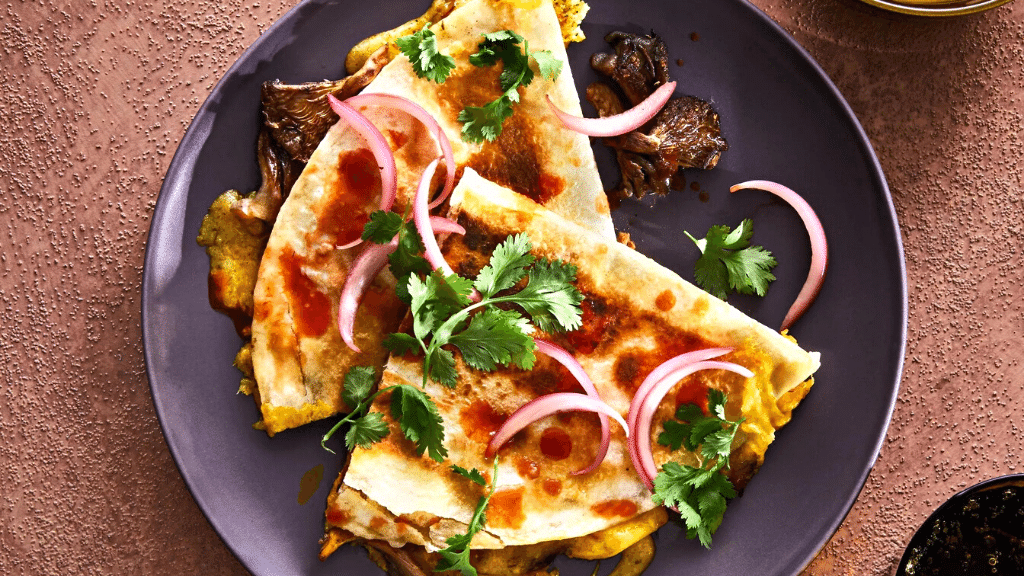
[(507, 266), (718, 444), (359, 380), (716, 402), (427, 60), (549, 66), (408, 256), (435, 299), (440, 366), (549, 297), (481, 123), (496, 336), (473, 474), (698, 493), (497, 46), (516, 73), (407, 260), (456, 555), (365, 431), (749, 270), (675, 435), (513, 51), (728, 262), (419, 420), (382, 227), (711, 434), (401, 344), (486, 335)]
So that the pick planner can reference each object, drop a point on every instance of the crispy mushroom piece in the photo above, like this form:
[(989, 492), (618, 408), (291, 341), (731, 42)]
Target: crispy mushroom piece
[(298, 116), (236, 227), (685, 134), (639, 64)]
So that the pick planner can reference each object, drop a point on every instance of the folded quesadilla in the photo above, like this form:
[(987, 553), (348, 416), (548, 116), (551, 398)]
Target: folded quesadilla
[(636, 315), (299, 359)]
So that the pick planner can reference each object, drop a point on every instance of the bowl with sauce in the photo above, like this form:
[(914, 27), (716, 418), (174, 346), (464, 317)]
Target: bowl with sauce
[(978, 531), (936, 7)]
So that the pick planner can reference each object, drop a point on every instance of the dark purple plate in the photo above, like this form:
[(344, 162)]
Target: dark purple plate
[(784, 120)]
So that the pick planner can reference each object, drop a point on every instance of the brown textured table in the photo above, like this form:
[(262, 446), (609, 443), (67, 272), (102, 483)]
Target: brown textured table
[(98, 94)]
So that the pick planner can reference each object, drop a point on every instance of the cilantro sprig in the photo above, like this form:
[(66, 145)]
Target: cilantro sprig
[(415, 412), (729, 262), (700, 492), (444, 314), (456, 555), (486, 334), (407, 259), (427, 60), (485, 122)]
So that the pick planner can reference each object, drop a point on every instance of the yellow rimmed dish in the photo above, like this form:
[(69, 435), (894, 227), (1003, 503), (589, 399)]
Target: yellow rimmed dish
[(936, 7)]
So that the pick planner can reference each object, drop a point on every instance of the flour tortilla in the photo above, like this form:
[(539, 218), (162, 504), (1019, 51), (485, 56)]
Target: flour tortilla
[(637, 314), (299, 358), (534, 155)]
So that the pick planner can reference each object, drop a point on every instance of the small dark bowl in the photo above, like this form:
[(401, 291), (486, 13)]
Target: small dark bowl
[(937, 7), (979, 530)]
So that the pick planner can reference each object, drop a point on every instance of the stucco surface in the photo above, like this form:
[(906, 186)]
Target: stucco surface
[(97, 95)]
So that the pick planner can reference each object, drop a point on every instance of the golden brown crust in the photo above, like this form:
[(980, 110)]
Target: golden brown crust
[(628, 329)]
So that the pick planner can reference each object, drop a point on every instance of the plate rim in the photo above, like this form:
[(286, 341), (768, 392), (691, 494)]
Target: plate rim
[(935, 11), (865, 144), (172, 182)]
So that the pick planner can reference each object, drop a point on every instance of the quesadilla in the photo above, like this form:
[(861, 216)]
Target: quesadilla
[(298, 356), (389, 494)]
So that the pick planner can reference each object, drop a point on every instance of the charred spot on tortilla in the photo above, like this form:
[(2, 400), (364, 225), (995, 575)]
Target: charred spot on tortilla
[(511, 159), (632, 329)]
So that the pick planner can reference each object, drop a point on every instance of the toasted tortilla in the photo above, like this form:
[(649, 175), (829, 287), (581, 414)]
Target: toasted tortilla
[(534, 155), (299, 359), (636, 315), (298, 356)]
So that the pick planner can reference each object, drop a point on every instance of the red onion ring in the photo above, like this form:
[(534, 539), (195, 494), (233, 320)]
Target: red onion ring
[(618, 124), (421, 216), (560, 355), (663, 370), (366, 267), (378, 146), (351, 244), (640, 451), (416, 111), (819, 246), (545, 406), (445, 226)]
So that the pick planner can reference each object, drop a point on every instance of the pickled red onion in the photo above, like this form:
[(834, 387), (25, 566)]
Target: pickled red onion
[(560, 355), (819, 246), (378, 146), (545, 406), (416, 111), (421, 216), (366, 267), (351, 244), (617, 124), (663, 370), (640, 451), (443, 225)]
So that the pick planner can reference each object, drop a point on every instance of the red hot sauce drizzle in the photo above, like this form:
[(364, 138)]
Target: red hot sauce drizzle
[(345, 210), (311, 308), (555, 443)]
